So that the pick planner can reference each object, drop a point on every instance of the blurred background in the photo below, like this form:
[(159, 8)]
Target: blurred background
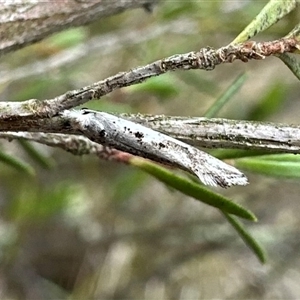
[(80, 228)]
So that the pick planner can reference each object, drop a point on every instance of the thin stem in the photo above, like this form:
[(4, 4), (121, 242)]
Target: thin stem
[(104, 44), (205, 59), (26, 22), (223, 133), (200, 132)]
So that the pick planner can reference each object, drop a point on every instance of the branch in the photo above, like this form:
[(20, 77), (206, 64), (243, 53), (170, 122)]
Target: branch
[(200, 132), (106, 43), (75, 144), (205, 59), (128, 136), (224, 133), (29, 21), (131, 137)]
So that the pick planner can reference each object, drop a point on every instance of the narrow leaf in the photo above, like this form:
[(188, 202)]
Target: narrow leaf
[(226, 96), (67, 38), (294, 33), (281, 157), (192, 189), (200, 84), (236, 153), (43, 161), (242, 232), (247, 238), (287, 166), (269, 103), (269, 15), (291, 62), (16, 163), (163, 87)]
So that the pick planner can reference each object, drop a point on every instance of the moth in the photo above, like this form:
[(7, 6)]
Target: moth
[(127, 136)]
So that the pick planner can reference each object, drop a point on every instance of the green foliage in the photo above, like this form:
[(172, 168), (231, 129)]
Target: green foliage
[(192, 189), (226, 96), (163, 87), (235, 153), (16, 163), (247, 238), (37, 87), (281, 165), (175, 9), (292, 63), (127, 184), (37, 156), (67, 38), (200, 84), (198, 192), (269, 103), (274, 11), (38, 204), (268, 16)]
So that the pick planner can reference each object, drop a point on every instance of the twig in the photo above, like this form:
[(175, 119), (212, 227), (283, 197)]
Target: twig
[(224, 133), (200, 132), (75, 144), (205, 59), (28, 21), (130, 137), (105, 44)]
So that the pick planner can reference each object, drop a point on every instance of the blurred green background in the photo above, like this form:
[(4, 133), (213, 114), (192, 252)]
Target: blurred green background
[(79, 228)]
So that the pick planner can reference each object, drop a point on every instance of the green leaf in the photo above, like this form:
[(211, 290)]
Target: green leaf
[(162, 86), (126, 184), (281, 157), (175, 9), (236, 153), (68, 38), (226, 96), (294, 33), (291, 62), (38, 157), (269, 103), (16, 163), (38, 204), (278, 165), (202, 85), (191, 188), (36, 88), (247, 238), (268, 16)]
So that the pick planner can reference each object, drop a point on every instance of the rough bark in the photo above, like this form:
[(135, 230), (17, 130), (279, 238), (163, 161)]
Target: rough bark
[(29, 21)]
